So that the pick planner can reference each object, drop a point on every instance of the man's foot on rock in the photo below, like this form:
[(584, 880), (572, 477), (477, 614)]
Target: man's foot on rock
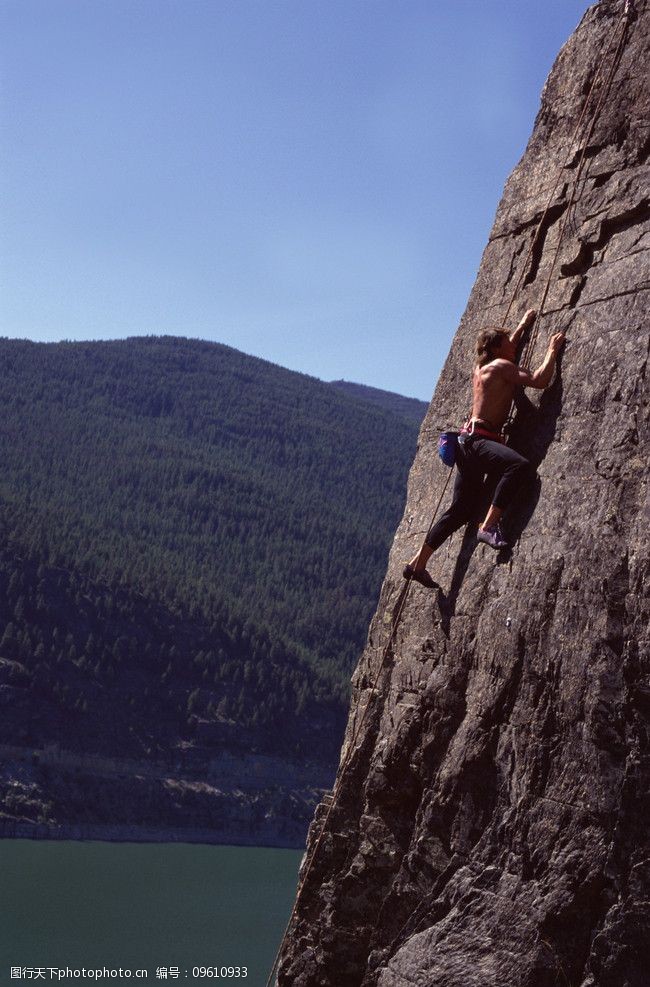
[(421, 576), (492, 536)]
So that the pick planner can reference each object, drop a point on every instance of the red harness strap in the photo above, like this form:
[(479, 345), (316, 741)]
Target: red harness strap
[(470, 428)]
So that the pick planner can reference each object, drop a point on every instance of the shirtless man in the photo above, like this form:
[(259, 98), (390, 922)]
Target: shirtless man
[(481, 449)]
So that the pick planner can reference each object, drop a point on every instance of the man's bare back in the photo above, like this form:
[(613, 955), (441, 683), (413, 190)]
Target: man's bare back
[(493, 394)]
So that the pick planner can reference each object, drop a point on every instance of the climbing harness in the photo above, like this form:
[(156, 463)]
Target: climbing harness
[(471, 428), (447, 443)]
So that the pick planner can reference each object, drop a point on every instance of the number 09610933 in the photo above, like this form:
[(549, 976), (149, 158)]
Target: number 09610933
[(220, 972)]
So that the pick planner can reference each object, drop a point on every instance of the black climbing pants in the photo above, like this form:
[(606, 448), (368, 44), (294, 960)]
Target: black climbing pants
[(479, 461)]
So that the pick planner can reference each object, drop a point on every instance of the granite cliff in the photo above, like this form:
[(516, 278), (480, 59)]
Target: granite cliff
[(490, 826)]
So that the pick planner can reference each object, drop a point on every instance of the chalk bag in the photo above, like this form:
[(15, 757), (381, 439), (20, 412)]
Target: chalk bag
[(447, 447)]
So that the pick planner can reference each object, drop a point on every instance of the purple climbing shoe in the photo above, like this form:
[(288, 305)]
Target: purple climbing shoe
[(421, 576), (492, 536)]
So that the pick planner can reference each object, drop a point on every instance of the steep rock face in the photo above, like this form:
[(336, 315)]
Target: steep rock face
[(491, 826)]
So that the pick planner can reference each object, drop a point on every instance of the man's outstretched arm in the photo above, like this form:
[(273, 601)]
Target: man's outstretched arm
[(527, 320), (543, 376)]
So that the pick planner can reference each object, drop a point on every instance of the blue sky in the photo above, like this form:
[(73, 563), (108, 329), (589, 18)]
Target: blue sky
[(310, 181)]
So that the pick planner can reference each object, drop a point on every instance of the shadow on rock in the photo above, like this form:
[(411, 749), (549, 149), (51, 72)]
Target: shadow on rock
[(531, 434), (447, 601)]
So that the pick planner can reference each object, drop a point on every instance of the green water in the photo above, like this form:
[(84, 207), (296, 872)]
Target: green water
[(143, 906)]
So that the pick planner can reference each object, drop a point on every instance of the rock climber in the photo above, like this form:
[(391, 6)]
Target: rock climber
[(481, 447)]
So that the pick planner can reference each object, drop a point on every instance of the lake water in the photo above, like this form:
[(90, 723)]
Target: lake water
[(143, 906)]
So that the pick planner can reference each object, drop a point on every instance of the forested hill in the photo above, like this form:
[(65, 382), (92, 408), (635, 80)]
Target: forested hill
[(192, 545)]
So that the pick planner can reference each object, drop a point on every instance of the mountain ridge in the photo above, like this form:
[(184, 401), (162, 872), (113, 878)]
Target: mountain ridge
[(410, 408), (178, 522)]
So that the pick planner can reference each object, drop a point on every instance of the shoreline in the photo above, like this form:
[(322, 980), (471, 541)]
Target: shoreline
[(116, 833)]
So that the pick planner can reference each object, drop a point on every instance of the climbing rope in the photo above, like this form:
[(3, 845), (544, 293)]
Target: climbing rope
[(622, 27), (397, 613), (616, 45), (622, 32), (528, 350), (420, 913)]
